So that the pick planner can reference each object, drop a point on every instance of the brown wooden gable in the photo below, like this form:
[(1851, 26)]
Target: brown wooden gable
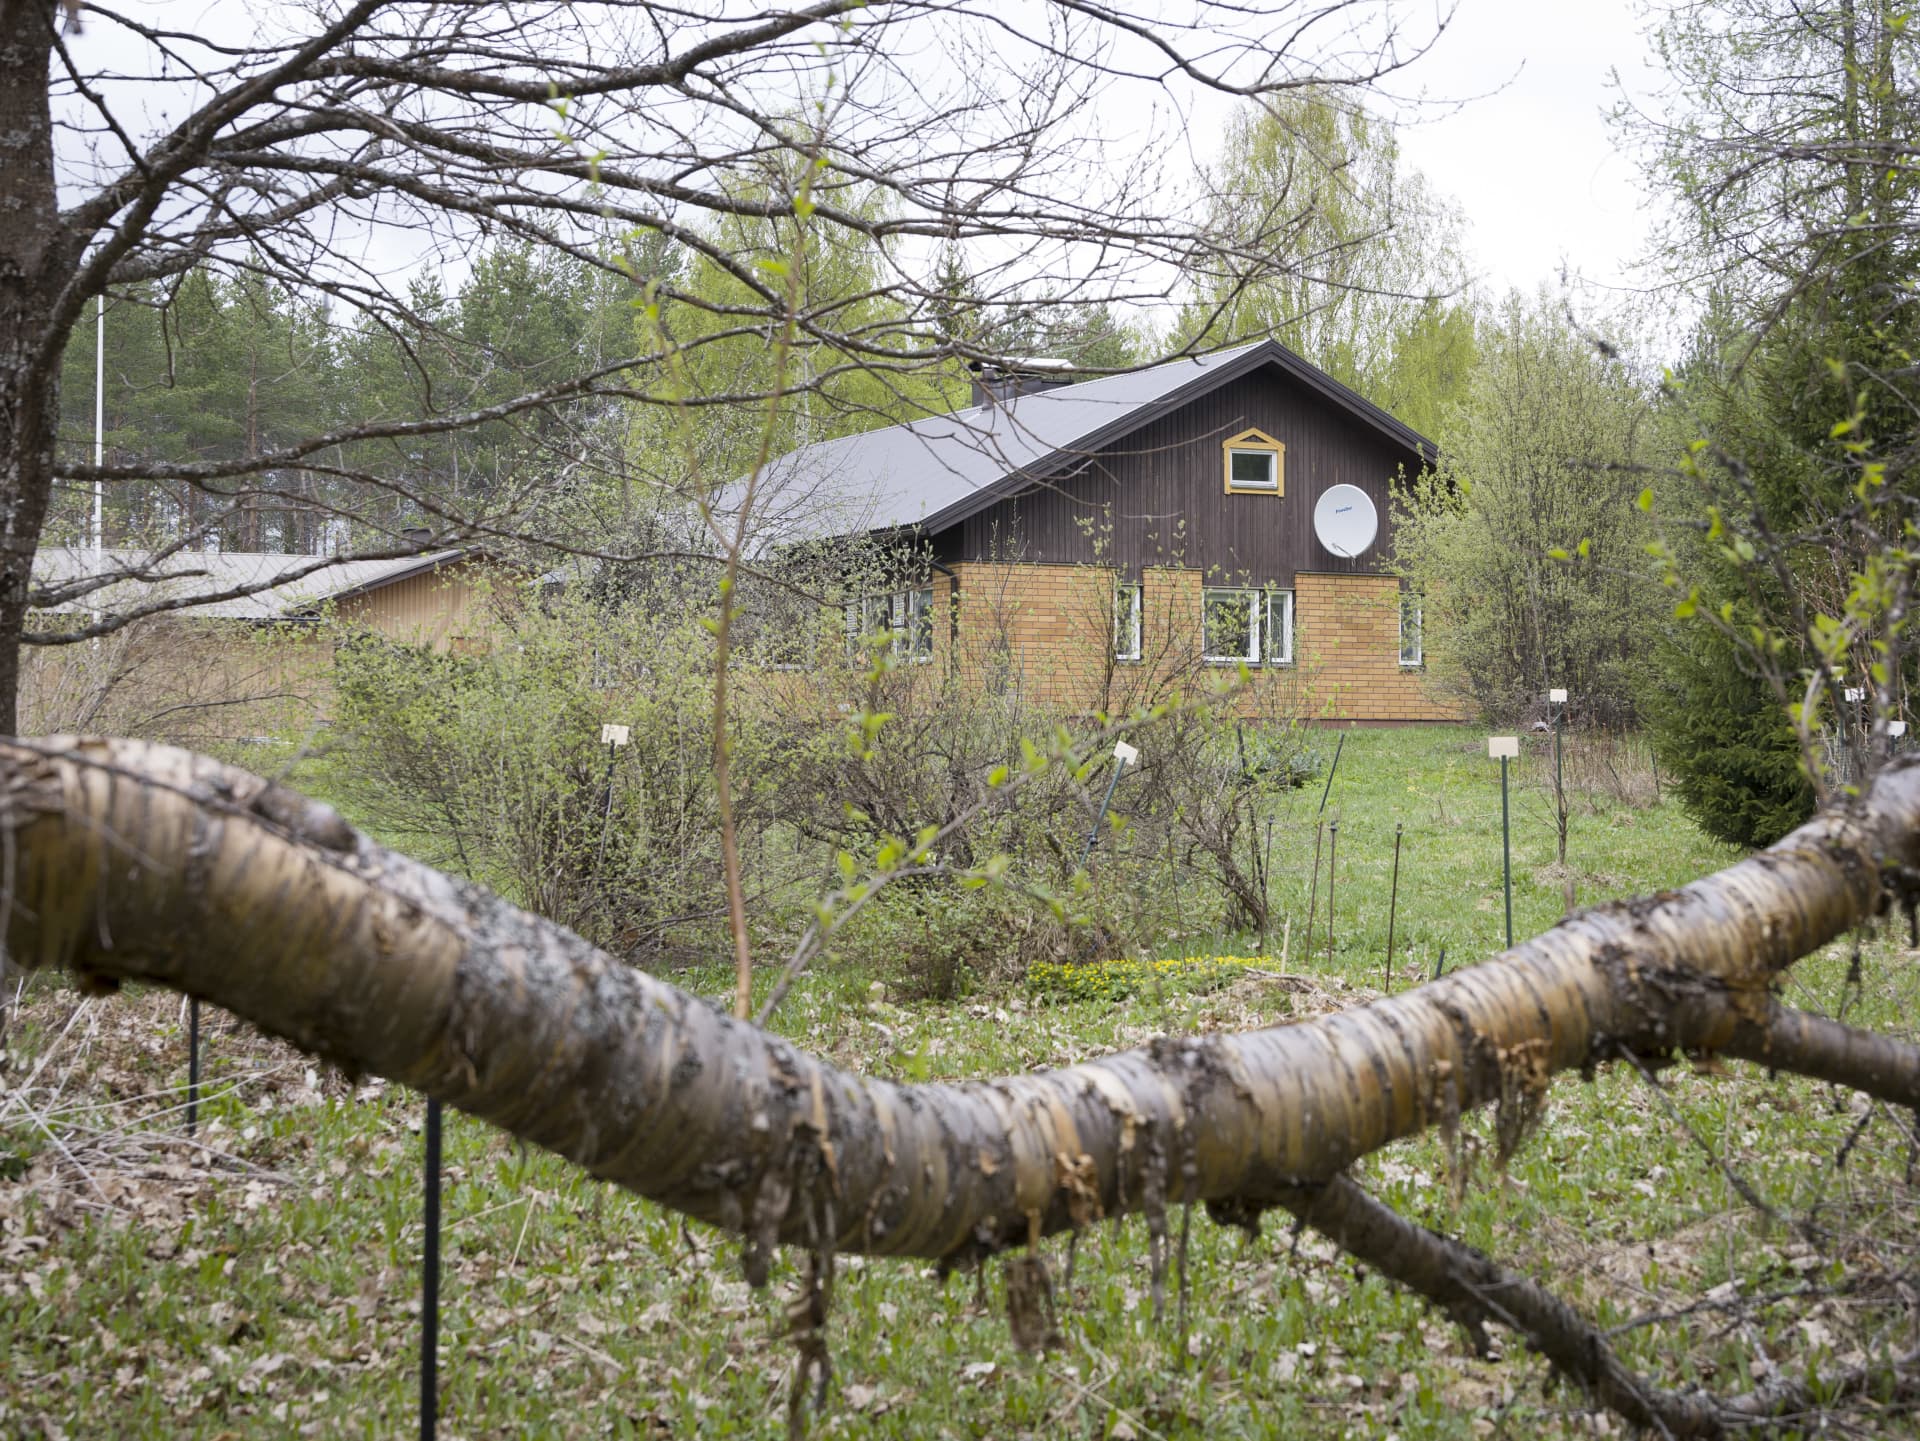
[(1155, 497)]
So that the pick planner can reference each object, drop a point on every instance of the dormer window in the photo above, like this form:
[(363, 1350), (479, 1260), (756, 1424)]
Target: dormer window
[(1255, 464)]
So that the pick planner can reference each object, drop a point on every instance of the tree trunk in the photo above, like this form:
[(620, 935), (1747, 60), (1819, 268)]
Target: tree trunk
[(124, 860), (132, 861), (34, 265)]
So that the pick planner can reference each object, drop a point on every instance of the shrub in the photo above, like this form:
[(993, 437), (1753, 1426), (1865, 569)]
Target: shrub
[(492, 765), (1725, 741)]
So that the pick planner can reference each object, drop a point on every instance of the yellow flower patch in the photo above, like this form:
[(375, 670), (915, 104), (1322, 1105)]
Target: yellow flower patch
[(1121, 977)]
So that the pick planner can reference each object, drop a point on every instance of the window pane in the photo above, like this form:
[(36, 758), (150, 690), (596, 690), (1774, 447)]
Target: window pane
[(1253, 468), (1410, 653), (1126, 622), (853, 622), (867, 617), (1232, 625), (1280, 626), (920, 624)]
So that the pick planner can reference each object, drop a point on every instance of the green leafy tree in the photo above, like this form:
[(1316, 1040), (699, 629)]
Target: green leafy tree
[(1373, 291), (1524, 543), (1787, 151)]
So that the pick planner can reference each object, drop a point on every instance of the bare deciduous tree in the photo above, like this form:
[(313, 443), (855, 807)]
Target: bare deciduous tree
[(350, 145)]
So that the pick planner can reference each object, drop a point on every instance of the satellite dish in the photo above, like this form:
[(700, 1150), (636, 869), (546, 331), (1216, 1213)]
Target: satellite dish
[(1345, 521)]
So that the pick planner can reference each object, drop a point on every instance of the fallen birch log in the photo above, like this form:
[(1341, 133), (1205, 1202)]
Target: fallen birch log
[(125, 861)]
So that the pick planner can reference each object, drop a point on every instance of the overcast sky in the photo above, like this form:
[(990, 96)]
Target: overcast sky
[(1534, 165), (1525, 151)]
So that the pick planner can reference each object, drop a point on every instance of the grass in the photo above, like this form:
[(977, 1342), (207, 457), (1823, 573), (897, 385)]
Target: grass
[(266, 1283), (1439, 787)]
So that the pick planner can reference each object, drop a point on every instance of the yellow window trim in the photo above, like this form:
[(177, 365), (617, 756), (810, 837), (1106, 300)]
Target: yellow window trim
[(1255, 440)]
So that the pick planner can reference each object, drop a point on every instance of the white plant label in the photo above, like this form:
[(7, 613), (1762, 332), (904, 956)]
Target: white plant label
[(1125, 753), (612, 735), (1558, 697), (1503, 746)]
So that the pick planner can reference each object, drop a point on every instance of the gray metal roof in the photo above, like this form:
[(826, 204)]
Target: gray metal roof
[(174, 579), (933, 473)]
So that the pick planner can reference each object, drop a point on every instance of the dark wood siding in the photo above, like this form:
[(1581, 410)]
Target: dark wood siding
[(1158, 498)]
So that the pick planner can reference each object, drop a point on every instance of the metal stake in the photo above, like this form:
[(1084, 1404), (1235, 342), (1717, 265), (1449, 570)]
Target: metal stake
[(613, 737), (1506, 848), (1259, 876), (1559, 789), (1331, 771), (430, 1284), (193, 1064), (1393, 905), (1313, 901), (1333, 852)]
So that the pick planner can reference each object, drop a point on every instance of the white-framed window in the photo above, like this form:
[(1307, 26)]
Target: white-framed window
[(786, 649), (906, 616), (1410, 651), (1126, 622), (863, 619), (1255, 464), (912, 613), (1230, 624), (1280, 627)]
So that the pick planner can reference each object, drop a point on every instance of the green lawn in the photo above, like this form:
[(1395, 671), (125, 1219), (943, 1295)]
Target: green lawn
[(1438, 785), (267, 1284)]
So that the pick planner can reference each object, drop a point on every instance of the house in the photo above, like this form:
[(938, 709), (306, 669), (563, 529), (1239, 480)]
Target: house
[(1092, 542), (229, 646), (428, 599)]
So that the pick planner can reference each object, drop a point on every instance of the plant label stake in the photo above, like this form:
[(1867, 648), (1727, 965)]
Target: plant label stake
[(430, 1283), (1393, 904), (612, 737), (193, 1065), (1313, 895), (1124, 755), (1505, 748), (1897, 732), (1855, 695)]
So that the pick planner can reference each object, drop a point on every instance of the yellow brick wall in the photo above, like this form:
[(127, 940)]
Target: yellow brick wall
[(1044, 631), (1346, 629), (1047, 631)]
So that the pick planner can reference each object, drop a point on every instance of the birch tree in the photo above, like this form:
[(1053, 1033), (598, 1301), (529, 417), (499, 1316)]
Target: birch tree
[(131, 862)]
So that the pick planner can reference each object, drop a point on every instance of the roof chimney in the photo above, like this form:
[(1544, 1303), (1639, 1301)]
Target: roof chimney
[(996, 384)]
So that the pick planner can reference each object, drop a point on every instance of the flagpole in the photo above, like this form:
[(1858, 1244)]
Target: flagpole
[(99, 423)]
